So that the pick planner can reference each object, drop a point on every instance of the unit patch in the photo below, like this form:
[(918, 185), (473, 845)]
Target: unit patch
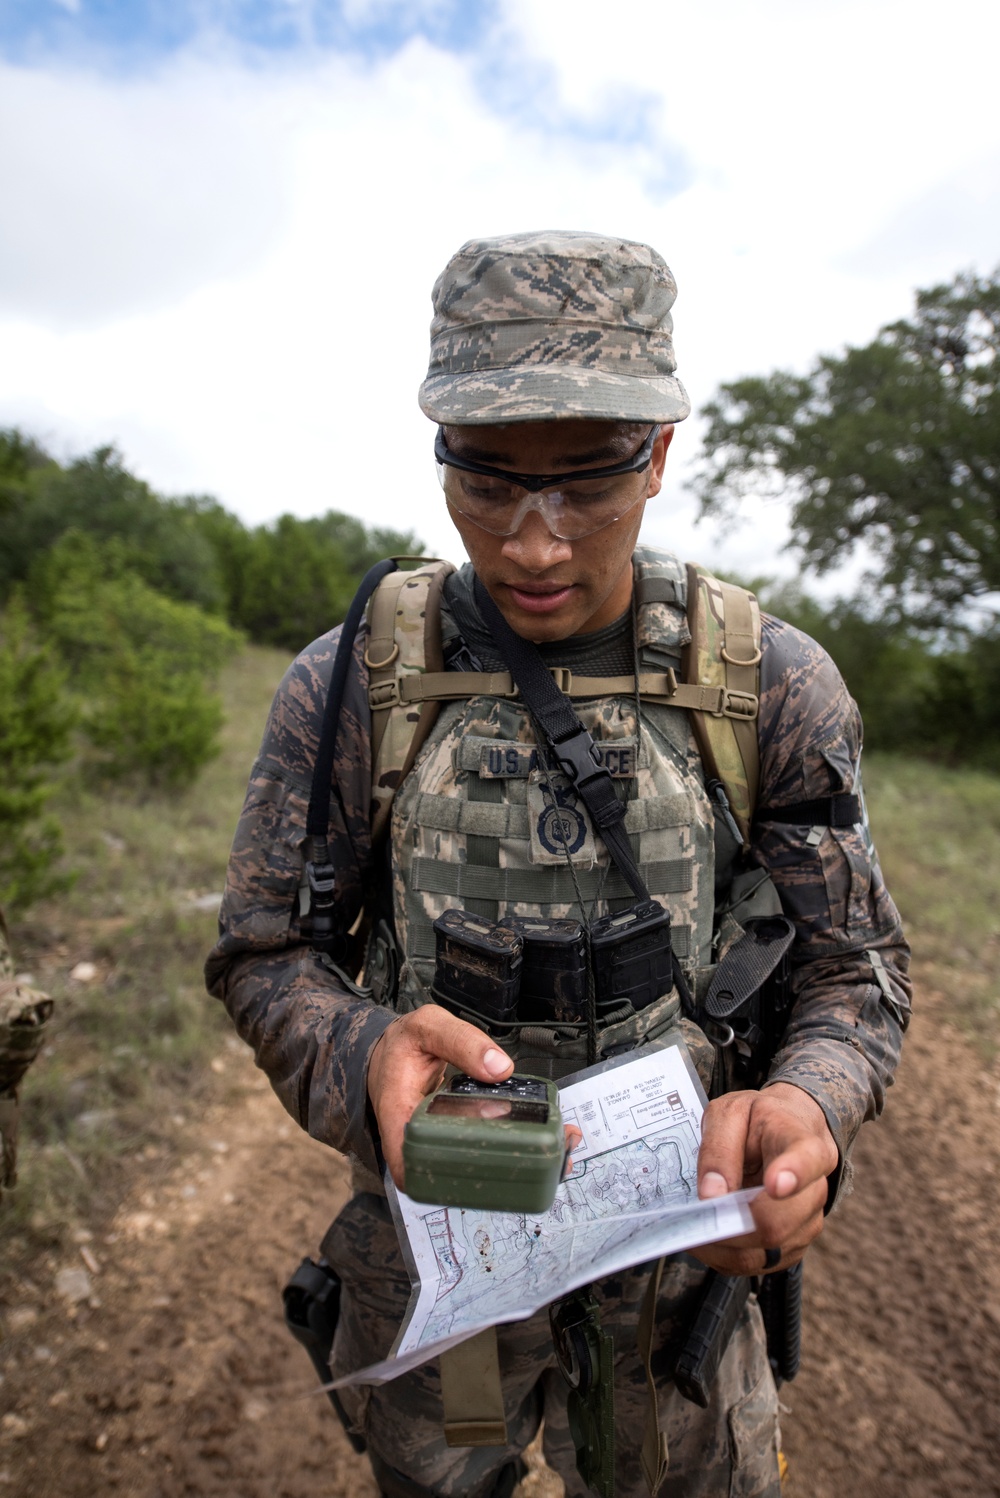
[(558, 824), (499, 761)]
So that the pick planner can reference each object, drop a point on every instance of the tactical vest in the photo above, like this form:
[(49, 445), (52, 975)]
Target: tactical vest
[(483, 821)]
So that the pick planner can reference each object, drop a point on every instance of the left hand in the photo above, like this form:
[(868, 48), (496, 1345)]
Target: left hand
[(779, 1138)]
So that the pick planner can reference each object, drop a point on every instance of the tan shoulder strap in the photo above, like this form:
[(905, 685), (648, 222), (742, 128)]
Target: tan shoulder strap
[(724, 653), (404, 641)]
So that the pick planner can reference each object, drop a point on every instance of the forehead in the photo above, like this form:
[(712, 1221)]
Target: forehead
[(546, 446)]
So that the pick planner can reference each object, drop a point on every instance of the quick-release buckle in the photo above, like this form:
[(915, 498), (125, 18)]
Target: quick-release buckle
[(578, 756), (732, 704), (322, 880)]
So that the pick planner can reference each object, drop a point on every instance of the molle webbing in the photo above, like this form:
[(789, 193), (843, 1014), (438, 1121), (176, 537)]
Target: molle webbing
[(542, 886), (404, 640), (724, 655), (480, 819)]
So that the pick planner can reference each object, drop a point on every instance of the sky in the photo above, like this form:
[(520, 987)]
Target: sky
[(223, 218)]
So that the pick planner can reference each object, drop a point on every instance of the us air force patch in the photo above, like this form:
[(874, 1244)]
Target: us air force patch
[(558, 823), (497, 759)]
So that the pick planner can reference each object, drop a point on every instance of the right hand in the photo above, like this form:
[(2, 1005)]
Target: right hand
[(408, 1062)]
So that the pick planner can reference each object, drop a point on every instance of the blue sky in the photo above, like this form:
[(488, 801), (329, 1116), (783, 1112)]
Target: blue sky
[(131, 32), (230, 215), (127, 38)]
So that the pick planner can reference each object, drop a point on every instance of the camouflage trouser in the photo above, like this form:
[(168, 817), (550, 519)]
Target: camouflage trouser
[(730, 1448)]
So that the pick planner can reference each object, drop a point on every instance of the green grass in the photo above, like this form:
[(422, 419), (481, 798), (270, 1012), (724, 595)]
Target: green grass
[(938, 835), (128, 1062)]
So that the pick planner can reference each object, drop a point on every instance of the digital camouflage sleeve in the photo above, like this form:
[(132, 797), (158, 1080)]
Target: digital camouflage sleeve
[(313, 1038), (850, 960)]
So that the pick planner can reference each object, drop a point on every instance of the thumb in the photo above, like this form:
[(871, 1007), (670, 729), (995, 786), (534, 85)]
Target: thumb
[(445, 1037)]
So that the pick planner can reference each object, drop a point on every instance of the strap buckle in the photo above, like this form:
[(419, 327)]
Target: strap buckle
[(563, 678), (383, 694), (744, 705), (578, 756)]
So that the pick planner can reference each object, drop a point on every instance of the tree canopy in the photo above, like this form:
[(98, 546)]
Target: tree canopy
[(896, 444)]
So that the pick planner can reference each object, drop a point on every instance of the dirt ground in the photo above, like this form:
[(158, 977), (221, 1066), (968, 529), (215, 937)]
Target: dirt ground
[(173, 1374)]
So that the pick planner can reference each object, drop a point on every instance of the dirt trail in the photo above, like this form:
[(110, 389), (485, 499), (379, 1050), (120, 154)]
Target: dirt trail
[(177, 1376)]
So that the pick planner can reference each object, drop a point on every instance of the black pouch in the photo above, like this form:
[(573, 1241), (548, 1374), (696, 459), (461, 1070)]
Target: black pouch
[(312, 1310)]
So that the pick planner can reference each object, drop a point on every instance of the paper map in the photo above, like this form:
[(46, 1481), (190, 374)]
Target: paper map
[(632, 1196)]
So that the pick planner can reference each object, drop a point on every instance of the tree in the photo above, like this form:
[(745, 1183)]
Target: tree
[(295, 584), (20, 458), (360, 547), (300, 575), (97, 495), (896, 444)]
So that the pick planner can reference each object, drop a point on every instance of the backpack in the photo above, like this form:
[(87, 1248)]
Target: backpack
[(720, 686)]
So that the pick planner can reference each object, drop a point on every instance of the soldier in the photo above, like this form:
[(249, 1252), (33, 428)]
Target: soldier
[(24, 1014), (552, 383)]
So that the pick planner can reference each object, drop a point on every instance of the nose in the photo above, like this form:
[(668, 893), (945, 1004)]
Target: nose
[(533, 546)]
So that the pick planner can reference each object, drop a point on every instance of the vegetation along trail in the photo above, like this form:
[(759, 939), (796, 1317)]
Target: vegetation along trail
[(165, 1196)]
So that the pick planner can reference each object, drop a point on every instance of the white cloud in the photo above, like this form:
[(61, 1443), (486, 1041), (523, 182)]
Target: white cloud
[(227, 268)]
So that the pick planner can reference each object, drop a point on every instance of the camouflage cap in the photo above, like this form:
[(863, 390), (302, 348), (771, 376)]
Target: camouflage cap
[(529, 327)]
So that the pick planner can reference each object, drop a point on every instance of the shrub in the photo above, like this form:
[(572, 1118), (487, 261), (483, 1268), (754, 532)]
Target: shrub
[(36, 722), (139, 661)]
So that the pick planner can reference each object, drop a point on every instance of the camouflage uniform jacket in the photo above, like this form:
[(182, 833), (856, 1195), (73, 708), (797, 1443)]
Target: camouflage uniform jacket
[(314, 1039), (24, 1015)]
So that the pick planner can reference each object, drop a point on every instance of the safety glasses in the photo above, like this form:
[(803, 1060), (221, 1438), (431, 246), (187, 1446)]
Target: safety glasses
[(572, 504)]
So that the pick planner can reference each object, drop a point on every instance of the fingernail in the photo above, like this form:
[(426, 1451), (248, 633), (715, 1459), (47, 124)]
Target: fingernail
[(496, 1063), (786, 1183), (712, 1184)]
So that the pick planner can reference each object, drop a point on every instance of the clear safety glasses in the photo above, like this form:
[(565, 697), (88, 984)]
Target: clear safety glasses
[(572, 504)]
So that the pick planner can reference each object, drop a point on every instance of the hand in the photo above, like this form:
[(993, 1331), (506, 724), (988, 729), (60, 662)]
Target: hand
[(408, 1062), (779, 1138)]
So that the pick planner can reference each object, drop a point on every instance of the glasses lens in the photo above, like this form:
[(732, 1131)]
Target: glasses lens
[(570, 511)]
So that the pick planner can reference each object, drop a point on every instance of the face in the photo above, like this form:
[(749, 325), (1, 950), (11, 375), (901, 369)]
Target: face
[(547, 588)]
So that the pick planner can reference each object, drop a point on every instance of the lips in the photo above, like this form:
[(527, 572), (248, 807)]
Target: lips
[(539, 600)]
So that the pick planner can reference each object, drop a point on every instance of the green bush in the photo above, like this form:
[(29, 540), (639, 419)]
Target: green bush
[(295, 585), (98, 496), (139, 661), (36, 723), (151, 722)]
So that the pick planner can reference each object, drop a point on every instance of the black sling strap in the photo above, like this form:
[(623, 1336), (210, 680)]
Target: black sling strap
[(576, 754), (322, 920), (572, 746)]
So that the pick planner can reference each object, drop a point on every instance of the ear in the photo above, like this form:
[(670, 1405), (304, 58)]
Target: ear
[(659, 458)]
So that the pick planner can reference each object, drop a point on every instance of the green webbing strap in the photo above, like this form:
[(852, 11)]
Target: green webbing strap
[(655, 1453), (471, 1393), (541, 886)]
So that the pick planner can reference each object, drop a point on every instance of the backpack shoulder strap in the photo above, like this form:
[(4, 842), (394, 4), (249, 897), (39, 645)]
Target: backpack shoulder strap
[(724, 652), (404, 640)]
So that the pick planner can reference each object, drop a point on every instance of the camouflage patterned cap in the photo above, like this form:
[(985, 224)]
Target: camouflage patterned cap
[(529, 327)]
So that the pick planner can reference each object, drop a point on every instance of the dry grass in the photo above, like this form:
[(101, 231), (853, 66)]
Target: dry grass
[(938, 835), (132, 1052)]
